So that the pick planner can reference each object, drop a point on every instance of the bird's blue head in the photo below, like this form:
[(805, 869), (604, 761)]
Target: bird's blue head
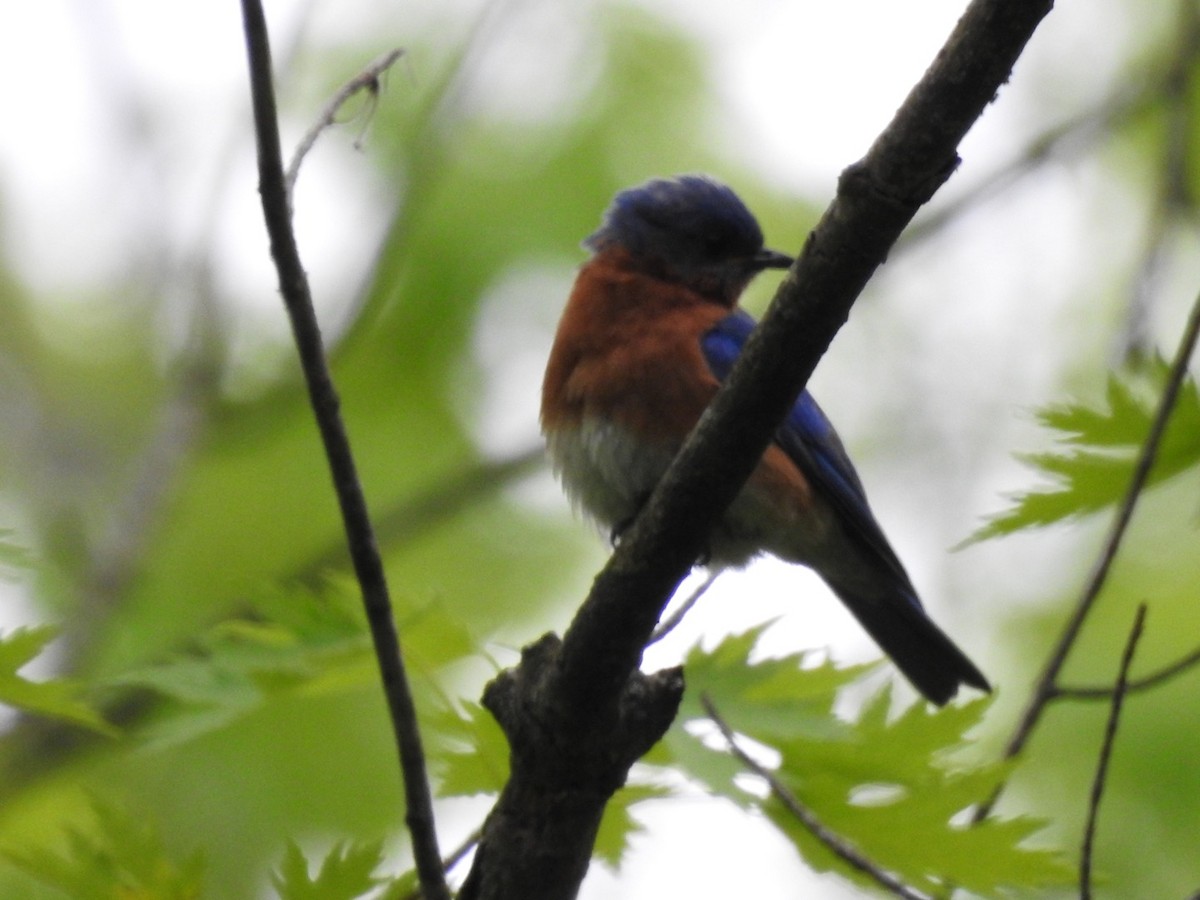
[(690, 229)]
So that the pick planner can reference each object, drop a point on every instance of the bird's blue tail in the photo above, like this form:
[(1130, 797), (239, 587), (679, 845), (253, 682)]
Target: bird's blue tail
[(921, 650)]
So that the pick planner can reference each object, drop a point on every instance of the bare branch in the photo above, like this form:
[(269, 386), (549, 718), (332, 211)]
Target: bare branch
[(1133, 686), (1110, 735), (837, 845), (366, 80), (368, 567), (1045, 688)]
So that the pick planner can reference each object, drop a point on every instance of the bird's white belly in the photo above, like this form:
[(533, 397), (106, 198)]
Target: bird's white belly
[(606, 472)]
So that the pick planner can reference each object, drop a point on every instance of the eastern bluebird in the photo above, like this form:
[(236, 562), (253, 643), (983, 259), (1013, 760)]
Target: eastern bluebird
[(649, 332)]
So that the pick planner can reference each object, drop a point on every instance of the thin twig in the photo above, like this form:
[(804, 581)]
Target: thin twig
[(323, 396), (834, 842), (457, 855), (366, 80), (1044, 689), (1135, 685), (1110, 735), (671, 622)]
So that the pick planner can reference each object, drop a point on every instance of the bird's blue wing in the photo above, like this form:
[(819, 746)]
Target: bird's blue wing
[(808, 438)]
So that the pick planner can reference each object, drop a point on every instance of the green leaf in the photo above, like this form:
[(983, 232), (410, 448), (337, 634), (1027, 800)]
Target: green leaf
[(122, 856), (619, 824), (347, 872), (783, 697), (58, 698), (1093, 469), (892, 784), (298, 641), (471, 755), (292, 641)]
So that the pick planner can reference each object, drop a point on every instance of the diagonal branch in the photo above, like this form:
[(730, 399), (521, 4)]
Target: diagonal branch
[(368, 567), (876, 199), (575, 713)]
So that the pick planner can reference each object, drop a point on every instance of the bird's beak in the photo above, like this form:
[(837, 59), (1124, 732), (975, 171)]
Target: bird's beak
[(771, 259)]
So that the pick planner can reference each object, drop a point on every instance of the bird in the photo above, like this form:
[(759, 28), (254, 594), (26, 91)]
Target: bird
[(649, 331)]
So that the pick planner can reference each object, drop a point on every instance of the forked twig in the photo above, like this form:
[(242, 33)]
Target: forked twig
[(366, 80)]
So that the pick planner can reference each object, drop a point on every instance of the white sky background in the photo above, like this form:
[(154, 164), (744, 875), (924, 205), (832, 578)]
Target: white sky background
[(975, 339)]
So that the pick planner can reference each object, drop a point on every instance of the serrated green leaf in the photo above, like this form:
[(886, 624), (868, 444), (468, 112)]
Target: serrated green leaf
[(892, 784), (57, 698), (347, 872), (619, 824), (121, 856), (471, 755), (784, 696), (1095, 473)]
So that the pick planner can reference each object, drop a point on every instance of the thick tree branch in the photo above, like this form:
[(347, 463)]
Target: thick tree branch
[(368, 567), (562, 700)]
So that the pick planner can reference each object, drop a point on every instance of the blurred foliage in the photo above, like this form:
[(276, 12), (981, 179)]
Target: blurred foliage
[(58, 698), (165, 503), (120, 856)]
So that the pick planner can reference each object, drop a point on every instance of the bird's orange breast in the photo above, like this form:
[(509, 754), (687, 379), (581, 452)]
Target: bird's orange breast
[(628, 350)]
